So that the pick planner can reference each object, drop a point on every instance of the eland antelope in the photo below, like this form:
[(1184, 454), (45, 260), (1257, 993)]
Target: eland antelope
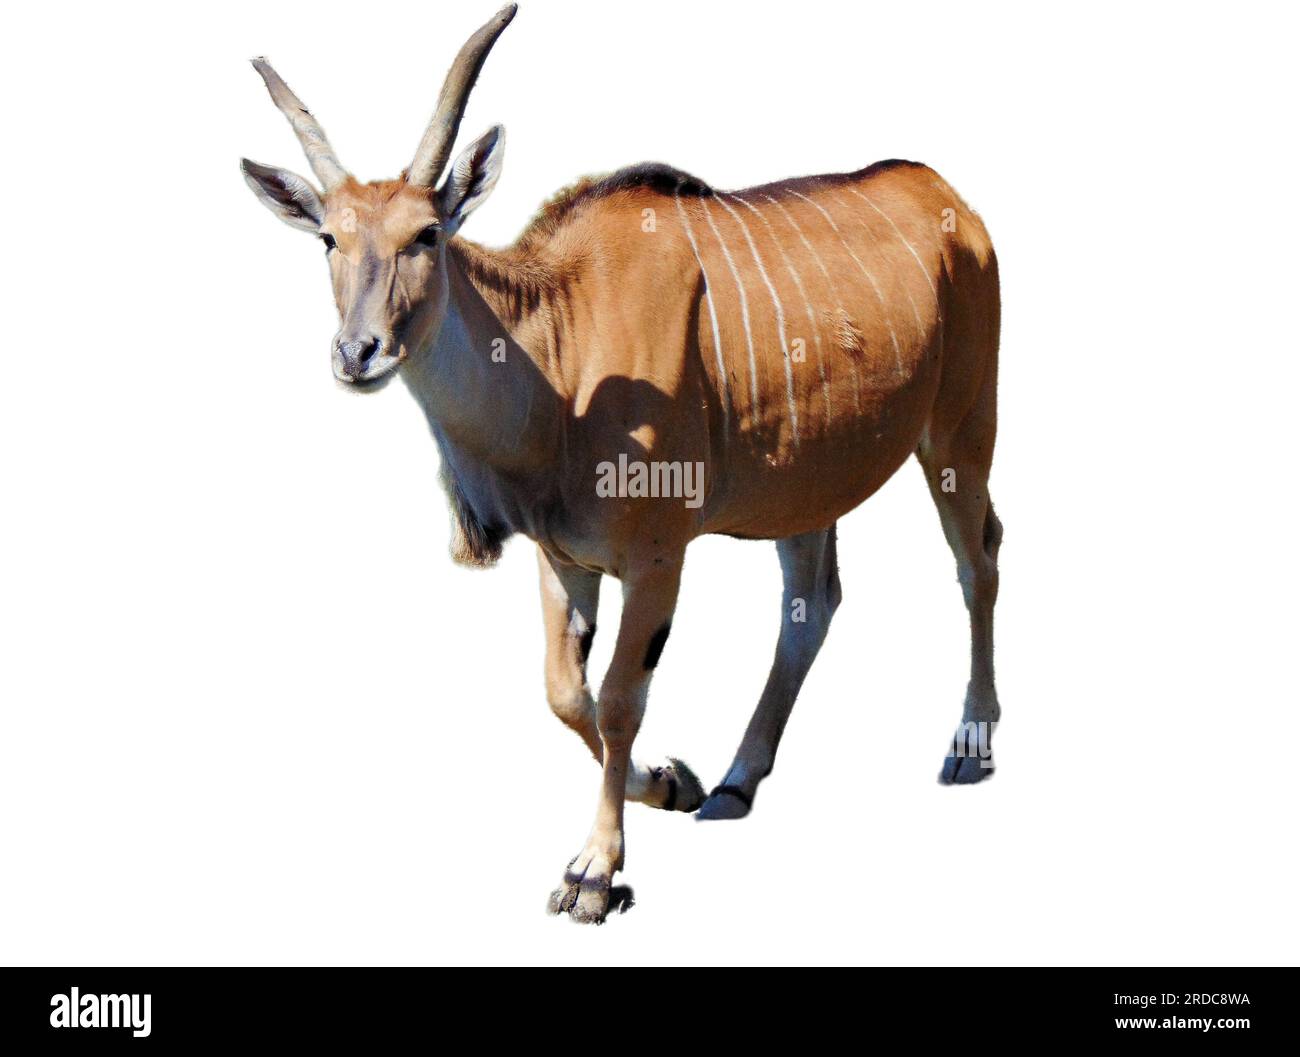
[(786, 347)]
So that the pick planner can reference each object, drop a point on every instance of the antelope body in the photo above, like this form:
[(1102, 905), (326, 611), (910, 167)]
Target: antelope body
[(796, 342)]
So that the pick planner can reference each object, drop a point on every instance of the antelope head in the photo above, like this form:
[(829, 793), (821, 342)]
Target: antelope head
[(385, 241)]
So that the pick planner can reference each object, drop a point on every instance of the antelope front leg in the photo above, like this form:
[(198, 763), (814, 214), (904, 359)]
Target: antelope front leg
[(649, 597), (570, 597)]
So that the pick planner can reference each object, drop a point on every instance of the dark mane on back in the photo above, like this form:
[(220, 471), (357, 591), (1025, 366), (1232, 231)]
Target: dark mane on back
[(556, 211), (561, 206), (656, 176), (835, 179)]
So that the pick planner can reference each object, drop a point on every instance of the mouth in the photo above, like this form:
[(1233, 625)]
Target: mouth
[(377, 373), (363, 385)]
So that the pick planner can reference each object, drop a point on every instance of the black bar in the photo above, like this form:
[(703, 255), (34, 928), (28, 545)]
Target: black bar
[(377, 1007)]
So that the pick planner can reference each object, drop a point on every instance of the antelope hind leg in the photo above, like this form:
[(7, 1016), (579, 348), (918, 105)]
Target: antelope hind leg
[(959, 486), (810, 596)]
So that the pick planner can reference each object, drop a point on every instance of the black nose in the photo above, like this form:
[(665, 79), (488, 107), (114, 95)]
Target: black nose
[(356, 354)]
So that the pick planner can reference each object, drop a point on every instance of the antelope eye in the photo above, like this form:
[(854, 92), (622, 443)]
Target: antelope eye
[(429, 236), (329, 241)]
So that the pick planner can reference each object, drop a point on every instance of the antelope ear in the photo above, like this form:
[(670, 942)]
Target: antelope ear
[(285, 194), (471, 178)]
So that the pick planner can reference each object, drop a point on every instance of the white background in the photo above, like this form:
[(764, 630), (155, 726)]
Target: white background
[(252, 714)]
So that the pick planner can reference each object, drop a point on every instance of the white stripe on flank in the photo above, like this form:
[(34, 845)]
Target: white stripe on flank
[(780, 321), (744, 310), (898, 355), (916, 256), (713, 315), (848, 208), (830, 282), (938, 308), (807, 305)]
